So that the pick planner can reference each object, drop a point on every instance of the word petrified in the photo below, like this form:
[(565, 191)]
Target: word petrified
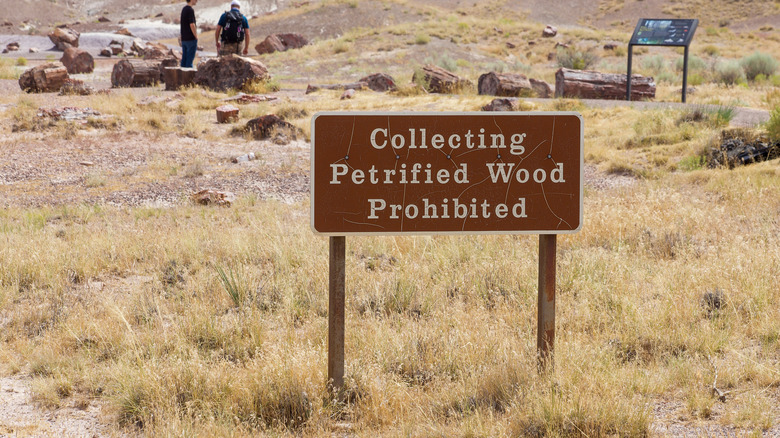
[(380, 139), (400, 176)]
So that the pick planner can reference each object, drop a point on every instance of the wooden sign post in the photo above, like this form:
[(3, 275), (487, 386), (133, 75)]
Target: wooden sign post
[(445, 173)]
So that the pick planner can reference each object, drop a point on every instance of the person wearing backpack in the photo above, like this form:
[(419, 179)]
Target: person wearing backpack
[(232, 30)]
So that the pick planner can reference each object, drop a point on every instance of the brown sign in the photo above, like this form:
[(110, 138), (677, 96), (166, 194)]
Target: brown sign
[(437, 173)]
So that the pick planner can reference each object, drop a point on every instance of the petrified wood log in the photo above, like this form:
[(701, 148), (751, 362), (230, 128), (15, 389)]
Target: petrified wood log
[(230, 71), (280, 42), (504, 84), (596, 85), (44, 78), (438, 80), (177, 77), (77, 60), (380, 82), (135, 73)]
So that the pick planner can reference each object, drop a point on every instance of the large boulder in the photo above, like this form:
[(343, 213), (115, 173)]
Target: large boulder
[(77, 60), (64, 37), (43, 78), (281, 42), (232, 71)]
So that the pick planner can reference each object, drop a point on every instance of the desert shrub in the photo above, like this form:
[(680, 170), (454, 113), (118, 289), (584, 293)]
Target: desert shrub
[(694, 64), (576, 59), (711, 50), (773, 125), (666, 77), (22, 61), (656, 64), (695, 79), (758, 64), (729, 72), (422, 39)]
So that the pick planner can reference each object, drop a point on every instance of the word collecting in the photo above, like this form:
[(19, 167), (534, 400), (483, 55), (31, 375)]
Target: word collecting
[(446, 180)]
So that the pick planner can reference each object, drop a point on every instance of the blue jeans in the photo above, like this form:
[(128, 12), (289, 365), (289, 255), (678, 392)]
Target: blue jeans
[(188, 49)]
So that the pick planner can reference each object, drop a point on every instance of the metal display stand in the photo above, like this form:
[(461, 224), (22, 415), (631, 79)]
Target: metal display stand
[(662, 32)]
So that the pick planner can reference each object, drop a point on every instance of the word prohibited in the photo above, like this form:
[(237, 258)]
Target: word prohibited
[(435, 173)]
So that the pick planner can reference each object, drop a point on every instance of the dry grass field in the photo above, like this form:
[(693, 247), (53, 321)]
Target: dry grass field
[(176, 319)]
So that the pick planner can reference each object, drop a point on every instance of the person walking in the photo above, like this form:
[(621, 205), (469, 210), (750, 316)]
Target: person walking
[(232, 29), (189, 34)]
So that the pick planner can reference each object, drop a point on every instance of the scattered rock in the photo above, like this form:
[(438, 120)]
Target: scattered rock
[(561, 45), (106, 51), (232, 71), (438, 80), (12, 47), (77, 60), (33, 50), (311, 88), (380, 82), (86, 163), (104, 19), (64, 37), (76, 87), (502, 104), (124, 31), (244, 158), (249, 98), (610, 46), (510, 45), (549, 31), (43, 78), (68, 113), (266, 126), (281, 42), (116, 48), (348, 94), (215, 197), (531, 43), (227, 114)]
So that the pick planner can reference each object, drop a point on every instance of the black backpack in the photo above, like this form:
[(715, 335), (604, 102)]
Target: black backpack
[(234, 29)]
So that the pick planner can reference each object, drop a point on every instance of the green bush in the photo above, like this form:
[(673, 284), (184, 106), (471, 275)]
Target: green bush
[(758, 64), (729, 72), (576, 59), (694, 64), (656, 64)]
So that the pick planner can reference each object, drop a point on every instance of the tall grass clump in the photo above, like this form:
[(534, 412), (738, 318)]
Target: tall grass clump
[(729, 72), (773, 124), (576, 59), (758, 64), (7, 70)]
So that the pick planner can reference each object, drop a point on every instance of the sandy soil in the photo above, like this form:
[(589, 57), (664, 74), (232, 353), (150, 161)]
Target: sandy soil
[(19, 417)]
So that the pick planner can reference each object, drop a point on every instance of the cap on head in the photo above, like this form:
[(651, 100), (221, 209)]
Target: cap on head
[(235, 3)]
